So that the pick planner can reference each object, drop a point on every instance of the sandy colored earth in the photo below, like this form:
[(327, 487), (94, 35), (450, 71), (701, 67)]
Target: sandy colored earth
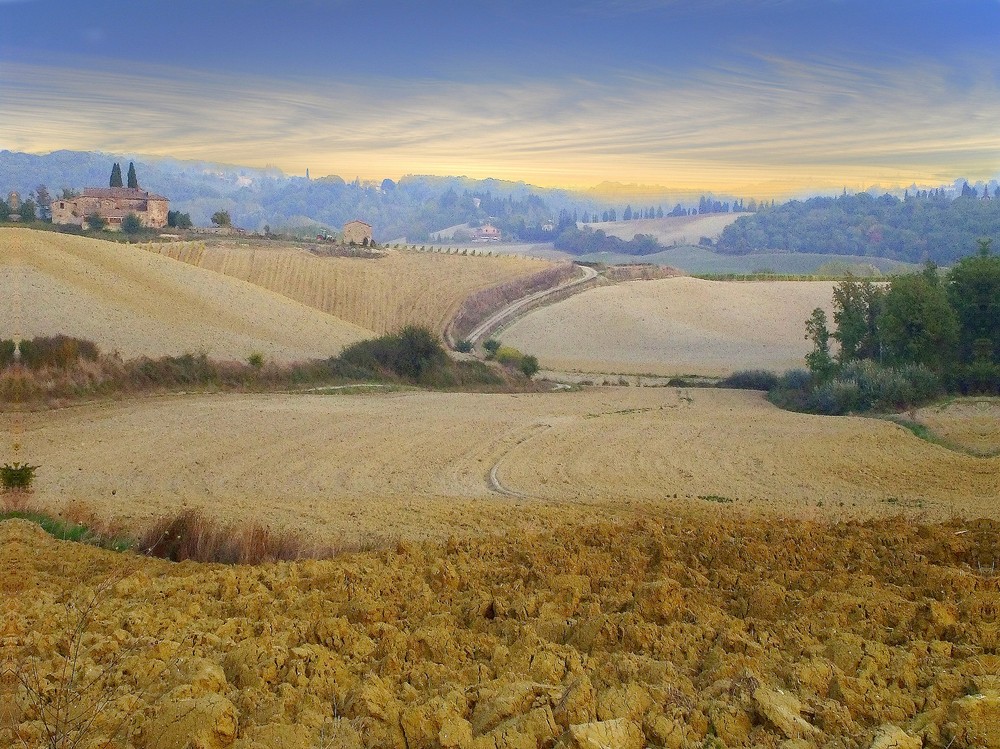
[(137, 303), (970, 423), (663, 632), (675, 326), (670, 229), (428, 465), (385, 294)]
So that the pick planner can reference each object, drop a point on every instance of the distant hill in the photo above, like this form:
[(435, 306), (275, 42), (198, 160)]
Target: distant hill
[(671, 230), (927, 226)]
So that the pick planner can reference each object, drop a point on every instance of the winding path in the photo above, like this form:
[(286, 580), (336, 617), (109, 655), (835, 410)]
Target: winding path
[(512, 310)]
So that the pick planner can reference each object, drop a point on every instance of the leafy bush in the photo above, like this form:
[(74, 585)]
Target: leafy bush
[(529, 366), (464, 346), (750, 379), (17, 476), (407, 354), (132, 224), (491, 347)]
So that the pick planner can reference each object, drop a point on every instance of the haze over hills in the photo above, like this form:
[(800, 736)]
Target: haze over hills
[(414, 206)]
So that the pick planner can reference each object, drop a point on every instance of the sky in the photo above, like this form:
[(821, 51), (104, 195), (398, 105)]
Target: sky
[(761, 98)]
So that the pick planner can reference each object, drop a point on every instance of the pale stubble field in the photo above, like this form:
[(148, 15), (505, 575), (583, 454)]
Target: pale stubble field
[(428, 465)]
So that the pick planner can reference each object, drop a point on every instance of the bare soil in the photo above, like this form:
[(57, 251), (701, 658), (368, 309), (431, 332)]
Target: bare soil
[(675, 326)]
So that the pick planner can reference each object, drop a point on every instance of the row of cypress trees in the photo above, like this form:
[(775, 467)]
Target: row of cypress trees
[(116, 176)]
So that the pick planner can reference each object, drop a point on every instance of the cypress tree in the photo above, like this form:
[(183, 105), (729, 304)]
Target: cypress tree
[(132, 180), (116, 176)]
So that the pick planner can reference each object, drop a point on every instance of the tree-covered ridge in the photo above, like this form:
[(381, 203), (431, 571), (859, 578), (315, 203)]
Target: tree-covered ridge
[(917, 228)]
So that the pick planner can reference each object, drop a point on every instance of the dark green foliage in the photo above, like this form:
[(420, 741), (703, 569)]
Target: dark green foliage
[(491, 346), (56, 351), (407, 354), (857, 306), (222, 218), (918, 324), (17, 476), (133, 181), (7, 349), (132, 224), (752, 379), (116, 176), (4, 210), (179, 220), (529, 365), (587, 240), (95, 222), (27, 211), (818, 360), (974, 293), (464, 346), (859, 387), (915, 229)]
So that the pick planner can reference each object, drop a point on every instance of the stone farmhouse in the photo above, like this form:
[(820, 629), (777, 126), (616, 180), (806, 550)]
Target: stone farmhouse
[(112, 204), (357, 232)]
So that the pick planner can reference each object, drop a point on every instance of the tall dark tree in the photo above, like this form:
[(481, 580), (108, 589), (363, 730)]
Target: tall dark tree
[(116, 176), (918, 325), (974, 292), (132, 180), (857, 305)]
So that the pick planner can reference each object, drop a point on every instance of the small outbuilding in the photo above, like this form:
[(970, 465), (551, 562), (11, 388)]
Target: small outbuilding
[(357, 232)]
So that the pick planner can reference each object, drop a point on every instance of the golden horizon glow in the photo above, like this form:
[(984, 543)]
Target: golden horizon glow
[(790, 126)]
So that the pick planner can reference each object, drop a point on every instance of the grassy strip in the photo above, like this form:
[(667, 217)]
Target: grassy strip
[(67, 530), (922, 431), (192, 536)]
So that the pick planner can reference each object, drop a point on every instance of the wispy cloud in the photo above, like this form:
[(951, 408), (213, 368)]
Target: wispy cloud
[(771, 126)]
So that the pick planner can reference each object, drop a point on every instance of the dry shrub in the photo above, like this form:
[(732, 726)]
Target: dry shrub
[(641, 272), (194, 536)]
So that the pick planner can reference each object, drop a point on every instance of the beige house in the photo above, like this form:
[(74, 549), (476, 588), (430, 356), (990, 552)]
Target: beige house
[(357, 232), (112, 204)]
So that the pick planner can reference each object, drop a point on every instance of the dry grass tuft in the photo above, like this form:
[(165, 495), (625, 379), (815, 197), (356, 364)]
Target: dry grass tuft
[(193, 535)]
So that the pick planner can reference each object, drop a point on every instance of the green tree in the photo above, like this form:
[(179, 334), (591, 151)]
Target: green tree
[(116, 176), (819, 360), (133, 181), (973, 288), (856, 308), (95, 222), (131, 224), (27, 210), (918, 324), (222, 218), (4, 210)]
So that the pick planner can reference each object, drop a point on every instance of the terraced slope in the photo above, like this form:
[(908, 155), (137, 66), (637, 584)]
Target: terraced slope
[(382, 295)]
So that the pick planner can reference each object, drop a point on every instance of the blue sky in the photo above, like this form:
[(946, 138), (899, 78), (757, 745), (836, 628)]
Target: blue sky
[(764, 97)]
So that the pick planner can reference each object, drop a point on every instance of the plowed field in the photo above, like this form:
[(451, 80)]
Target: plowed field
[(660, 633)]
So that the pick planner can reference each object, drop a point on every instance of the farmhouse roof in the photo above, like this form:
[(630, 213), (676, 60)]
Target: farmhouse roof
[(356, 221), (120, 192)]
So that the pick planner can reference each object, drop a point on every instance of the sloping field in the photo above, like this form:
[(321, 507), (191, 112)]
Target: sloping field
[(670, 229), (137, 303), (381, 295), (675, 326), (422, 464), (970, 423)]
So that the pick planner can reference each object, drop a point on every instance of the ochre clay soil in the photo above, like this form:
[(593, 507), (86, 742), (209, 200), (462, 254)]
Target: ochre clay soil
[(665, 632), (971, 424)]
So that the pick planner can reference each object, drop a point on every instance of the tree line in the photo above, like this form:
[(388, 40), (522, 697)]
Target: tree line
[(926, 225), (918, 335)]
